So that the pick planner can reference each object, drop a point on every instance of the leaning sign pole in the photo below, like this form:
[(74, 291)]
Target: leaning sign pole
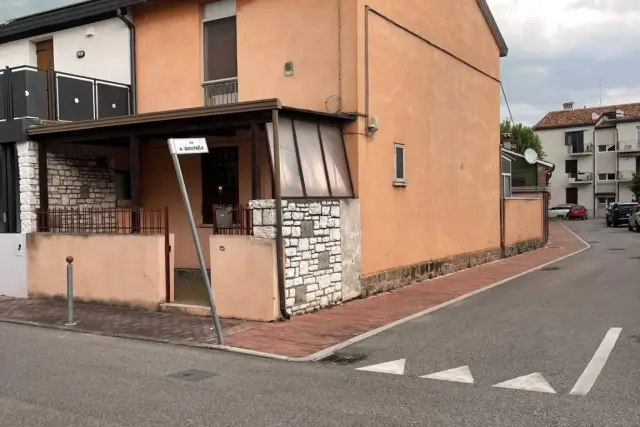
[(182, 146)]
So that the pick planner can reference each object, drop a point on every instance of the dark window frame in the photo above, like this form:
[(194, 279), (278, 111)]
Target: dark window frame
[(305, 195)]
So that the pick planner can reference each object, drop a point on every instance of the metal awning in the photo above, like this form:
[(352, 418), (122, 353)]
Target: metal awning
[(174, 123)]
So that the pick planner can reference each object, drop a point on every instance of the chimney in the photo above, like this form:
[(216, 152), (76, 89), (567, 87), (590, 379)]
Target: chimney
[(568, 105)]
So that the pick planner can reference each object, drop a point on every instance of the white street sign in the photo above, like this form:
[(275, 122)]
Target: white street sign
[(188, 146)]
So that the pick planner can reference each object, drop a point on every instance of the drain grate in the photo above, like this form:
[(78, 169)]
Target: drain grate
[(192, 375), (550, 268), (634, 257), (616, 249), (343, 359), (591, 242)]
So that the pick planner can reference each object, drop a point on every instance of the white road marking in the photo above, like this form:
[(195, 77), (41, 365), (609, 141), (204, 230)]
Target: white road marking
[(531, 382), (593, 369), (395, 367), (458, 375)]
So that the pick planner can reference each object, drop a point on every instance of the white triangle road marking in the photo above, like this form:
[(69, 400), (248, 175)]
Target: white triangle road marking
[(531, 382), (395, 367), (458, 375)]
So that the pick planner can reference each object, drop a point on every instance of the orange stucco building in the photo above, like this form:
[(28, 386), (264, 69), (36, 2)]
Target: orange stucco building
[(431, 83), (384, 119)]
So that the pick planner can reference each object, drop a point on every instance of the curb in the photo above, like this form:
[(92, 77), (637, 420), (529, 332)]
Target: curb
[(319, 354)]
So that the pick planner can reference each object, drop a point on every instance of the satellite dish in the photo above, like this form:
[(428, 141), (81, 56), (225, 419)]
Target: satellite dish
[(530, 155)]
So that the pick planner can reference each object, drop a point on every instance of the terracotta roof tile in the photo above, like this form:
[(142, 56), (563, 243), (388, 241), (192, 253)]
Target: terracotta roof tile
[(583, 116)]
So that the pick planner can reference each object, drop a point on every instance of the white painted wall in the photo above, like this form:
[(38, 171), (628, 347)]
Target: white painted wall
[(106, 51), (13, 264), (628, 133), (553, 143)]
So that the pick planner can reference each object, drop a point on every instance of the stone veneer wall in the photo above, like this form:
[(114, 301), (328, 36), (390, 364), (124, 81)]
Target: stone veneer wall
[(313, 250), (76, 182)]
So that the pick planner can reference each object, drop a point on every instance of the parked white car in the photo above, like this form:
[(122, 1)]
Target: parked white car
[(560, 210), (634, 220)]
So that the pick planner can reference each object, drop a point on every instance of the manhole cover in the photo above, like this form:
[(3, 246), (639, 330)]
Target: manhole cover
[(343, 359), (616, 249), (192, 375), (635, 338), (550, 269)]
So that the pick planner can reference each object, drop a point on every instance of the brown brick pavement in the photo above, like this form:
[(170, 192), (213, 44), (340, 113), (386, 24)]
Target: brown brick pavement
[(302, 335)]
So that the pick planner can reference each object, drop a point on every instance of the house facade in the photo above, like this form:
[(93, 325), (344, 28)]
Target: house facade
[(596, 150), (327, 170)]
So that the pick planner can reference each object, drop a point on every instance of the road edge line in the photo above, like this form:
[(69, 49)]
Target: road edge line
[(330, 350)]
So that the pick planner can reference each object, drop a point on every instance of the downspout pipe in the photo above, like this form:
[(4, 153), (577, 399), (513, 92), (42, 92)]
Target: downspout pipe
[(503, 251), (132, 57), (282, 295)]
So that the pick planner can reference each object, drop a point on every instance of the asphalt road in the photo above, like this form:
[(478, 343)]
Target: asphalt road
[(549, 323)]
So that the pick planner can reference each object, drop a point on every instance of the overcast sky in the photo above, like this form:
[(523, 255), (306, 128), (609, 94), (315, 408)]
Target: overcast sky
[(558, 51)]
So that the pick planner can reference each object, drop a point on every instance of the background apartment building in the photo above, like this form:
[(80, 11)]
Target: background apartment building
[(595, 150)]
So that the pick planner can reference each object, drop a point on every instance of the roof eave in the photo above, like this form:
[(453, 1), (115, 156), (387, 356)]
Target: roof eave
[(493, 26), (61, 18)]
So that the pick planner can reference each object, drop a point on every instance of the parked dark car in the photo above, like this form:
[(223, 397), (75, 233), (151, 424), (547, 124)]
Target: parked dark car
[(619, 213), (577, 212), (634, 220)]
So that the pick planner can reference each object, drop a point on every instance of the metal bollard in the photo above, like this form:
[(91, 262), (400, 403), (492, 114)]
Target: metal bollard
[(70, 321)]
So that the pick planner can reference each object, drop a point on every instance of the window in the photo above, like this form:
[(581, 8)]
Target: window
[(399, 172), (602, 148), (571, 167), (606, 176), (571, 195), (313, 173), (575, 140), (506, 177), (638, 133), (313, 161), (336, 160), (220, 41)]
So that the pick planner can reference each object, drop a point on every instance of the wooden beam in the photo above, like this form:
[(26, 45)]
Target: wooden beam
[(255, 171), (134, 175)]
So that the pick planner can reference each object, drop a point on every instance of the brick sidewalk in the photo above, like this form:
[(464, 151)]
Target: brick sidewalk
[(302, 335)]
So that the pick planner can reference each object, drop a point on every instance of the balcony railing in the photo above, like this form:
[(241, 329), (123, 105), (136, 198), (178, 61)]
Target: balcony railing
[(29, 92), (580, 178), (577, 151), (627, 146), (220, 92), (625, 175)]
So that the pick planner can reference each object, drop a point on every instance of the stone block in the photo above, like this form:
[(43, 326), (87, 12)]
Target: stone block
[(324, 260)]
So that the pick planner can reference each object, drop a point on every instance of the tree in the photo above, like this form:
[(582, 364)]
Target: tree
[(522, 137), (635, 185)]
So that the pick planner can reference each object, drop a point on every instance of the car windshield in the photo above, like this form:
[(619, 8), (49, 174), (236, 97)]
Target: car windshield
[(628, 207)]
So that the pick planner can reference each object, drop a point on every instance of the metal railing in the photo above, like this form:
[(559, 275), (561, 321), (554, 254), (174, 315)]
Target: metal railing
[(236, 220), (30, 92), (625, 175), (630, 145), (69, 220), (586, 149), (584, 177), (220, 92)]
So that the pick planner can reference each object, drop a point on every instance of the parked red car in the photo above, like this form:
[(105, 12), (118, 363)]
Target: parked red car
[(577, 212)]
